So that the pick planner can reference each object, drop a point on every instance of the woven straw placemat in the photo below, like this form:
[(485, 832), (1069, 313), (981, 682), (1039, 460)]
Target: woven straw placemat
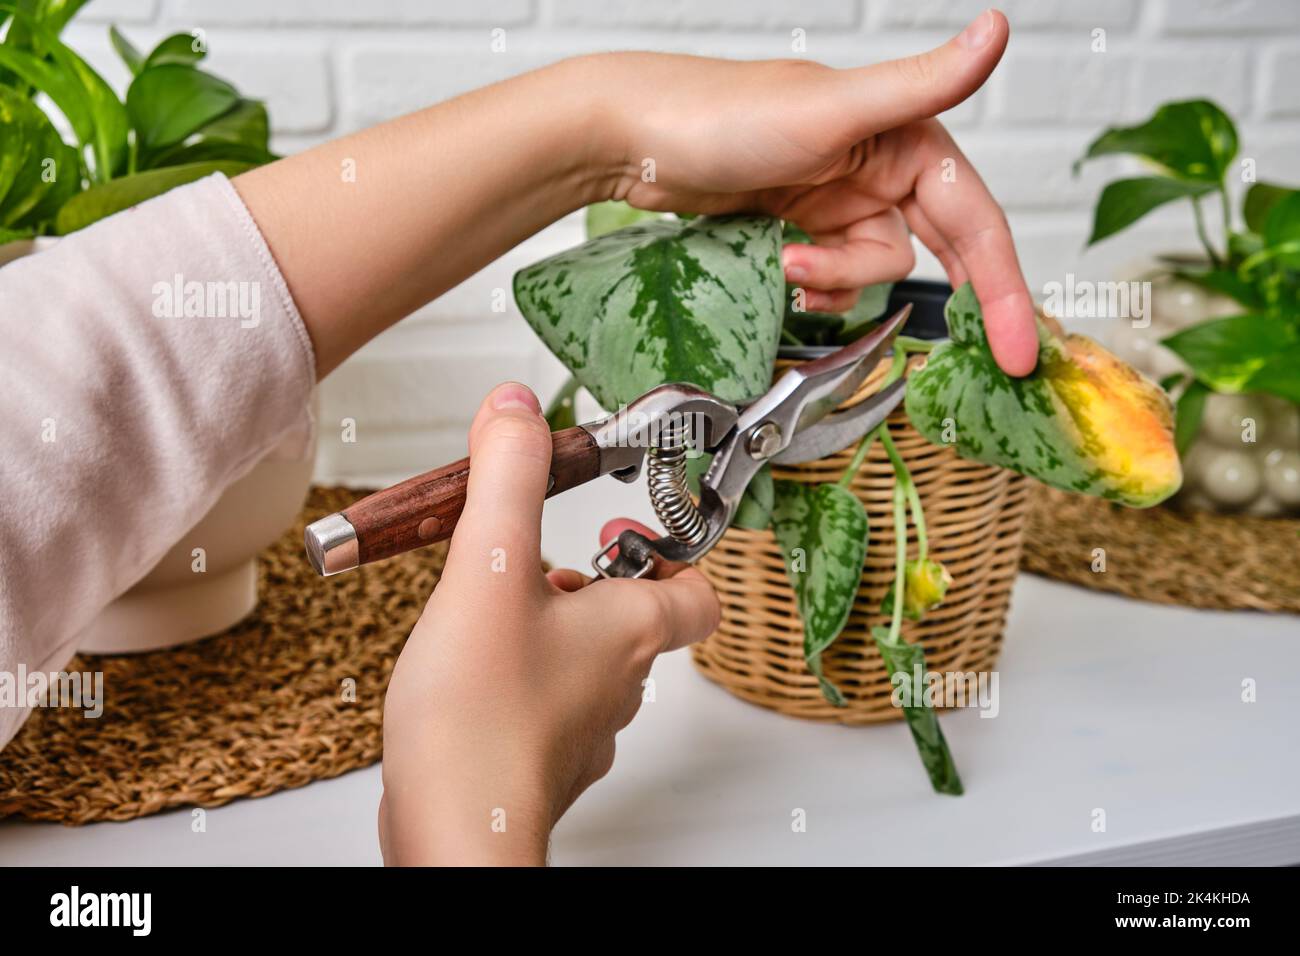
[(1197, 559), (260, 708)]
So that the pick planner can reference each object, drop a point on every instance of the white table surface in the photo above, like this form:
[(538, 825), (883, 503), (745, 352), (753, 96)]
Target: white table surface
[(1104, 703)]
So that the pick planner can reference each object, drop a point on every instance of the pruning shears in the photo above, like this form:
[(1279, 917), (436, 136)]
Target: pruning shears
[(794, 421)]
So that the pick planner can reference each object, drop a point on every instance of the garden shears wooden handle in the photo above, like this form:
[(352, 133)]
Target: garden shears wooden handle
[(425, 508), (796, 420)]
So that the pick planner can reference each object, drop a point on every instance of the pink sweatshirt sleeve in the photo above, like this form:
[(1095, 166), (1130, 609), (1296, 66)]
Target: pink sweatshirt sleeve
[(123, 414)]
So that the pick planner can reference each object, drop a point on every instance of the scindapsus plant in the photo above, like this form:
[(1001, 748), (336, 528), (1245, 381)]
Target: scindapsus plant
[(704, 301)]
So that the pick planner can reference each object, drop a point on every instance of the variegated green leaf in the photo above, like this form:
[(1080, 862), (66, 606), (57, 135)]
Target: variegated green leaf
[(663, 301), (1082, 421), (822, 532), (905, 662)]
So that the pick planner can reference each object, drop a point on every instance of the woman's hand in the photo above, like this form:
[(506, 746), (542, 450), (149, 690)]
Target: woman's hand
[(504, 704), (368, 228), (854, 157)]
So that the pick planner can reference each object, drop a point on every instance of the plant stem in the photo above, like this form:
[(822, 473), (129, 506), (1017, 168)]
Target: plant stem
[(900, 561), (1227, 221), (790, 337), (909, 344), (859, 456), (1200, 231), (903, 479), (559, 413), (896, 370)]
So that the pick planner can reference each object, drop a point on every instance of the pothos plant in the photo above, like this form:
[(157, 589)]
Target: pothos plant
[(1191, 148), (177, 123), (648, 300)]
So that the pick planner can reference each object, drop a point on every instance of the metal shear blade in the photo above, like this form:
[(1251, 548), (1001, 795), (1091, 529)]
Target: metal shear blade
[(791, 422), (841, 429), (802, 403)]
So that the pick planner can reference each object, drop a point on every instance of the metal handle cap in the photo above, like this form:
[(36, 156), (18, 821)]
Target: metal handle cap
[(331, 545)]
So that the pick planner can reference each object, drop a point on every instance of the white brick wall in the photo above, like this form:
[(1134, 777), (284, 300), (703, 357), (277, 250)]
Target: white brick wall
[(329, 66)]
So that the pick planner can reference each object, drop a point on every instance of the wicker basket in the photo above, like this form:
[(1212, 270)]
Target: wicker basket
[(974, 516)]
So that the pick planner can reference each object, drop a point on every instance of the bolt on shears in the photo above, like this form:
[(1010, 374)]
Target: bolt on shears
[(795, 421)]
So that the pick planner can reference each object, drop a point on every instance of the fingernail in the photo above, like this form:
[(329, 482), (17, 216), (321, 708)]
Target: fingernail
[(793, 271), (977, 33), (514, 395)]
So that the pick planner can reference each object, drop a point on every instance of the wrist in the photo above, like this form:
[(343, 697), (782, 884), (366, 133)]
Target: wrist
[(443, 823), (597, 134)]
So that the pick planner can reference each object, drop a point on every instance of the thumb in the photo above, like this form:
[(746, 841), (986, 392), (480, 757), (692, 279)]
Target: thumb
[(896, 92), (509, 465)]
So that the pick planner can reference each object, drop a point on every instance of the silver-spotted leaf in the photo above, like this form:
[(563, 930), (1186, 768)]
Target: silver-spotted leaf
[(822, 532), (1082, 421), (696, 301), (906, 663)]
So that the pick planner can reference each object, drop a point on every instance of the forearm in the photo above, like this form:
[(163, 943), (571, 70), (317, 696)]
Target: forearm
[(370, 227)]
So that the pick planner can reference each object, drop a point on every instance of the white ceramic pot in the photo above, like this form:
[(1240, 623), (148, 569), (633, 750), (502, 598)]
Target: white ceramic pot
[(175, 603), (24, 247)]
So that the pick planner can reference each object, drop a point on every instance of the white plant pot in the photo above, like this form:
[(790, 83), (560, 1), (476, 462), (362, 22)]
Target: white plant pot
[(24, 247), (174, 603)]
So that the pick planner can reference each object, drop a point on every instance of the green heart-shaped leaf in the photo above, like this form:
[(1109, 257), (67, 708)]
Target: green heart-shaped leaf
[(1243, 353), (242, 134), (1282, 230), (1082, 421), (170, 101), (1125, 201), (1260, 199), (822, 531), (100, 201), (663, 301), (1193, 139), (182, 48)]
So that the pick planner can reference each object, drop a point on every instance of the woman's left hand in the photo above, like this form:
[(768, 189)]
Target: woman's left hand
[(854, 157)]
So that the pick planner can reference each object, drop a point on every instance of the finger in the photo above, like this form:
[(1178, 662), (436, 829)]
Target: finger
[(687, 604), (835, 300), (890, 94), (661, 568), (872, 250), (510, 460), (955, 200), (567, 579), (691, 607), (933, 240)]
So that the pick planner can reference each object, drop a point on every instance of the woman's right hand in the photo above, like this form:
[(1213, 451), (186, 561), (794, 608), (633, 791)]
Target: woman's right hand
[(504, 703)]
